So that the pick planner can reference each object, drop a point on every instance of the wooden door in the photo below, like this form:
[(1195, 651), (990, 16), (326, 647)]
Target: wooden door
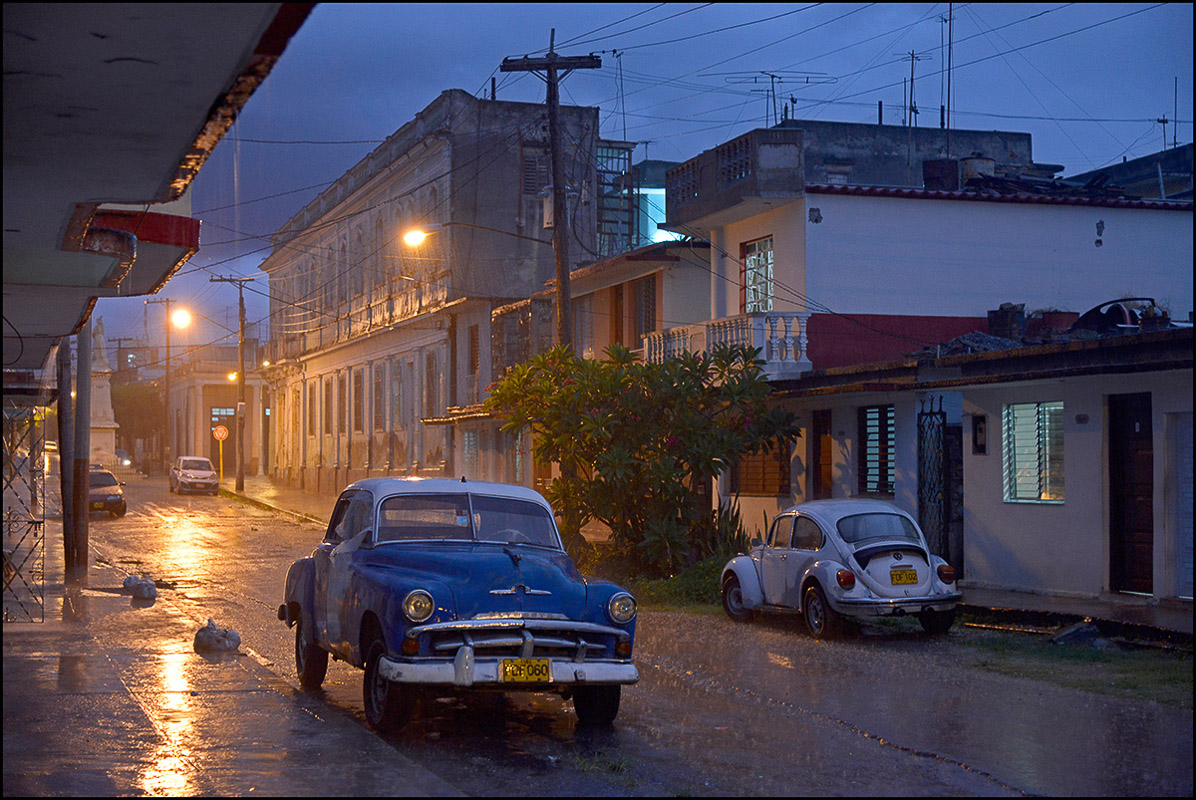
[(1131, 494)]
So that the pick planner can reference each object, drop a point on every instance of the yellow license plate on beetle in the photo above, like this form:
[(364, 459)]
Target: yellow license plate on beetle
[(900, 577), (525, 670), (100, 506)]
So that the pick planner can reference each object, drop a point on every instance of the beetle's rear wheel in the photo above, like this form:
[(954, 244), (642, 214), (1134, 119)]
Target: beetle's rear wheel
[(937, 623), (821, 620), (388, 705)]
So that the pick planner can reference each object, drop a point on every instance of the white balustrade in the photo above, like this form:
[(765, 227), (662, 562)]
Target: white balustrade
[(781, 337)]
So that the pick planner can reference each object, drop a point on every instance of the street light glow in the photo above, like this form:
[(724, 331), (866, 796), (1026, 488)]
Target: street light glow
[(181, 318), (415, 237), (232, 376)]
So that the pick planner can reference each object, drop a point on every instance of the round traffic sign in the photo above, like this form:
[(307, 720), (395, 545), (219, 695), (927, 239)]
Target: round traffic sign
[(220, 432)]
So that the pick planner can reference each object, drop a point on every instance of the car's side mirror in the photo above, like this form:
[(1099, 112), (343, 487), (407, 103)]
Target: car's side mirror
[(755, 541), (122, 483)]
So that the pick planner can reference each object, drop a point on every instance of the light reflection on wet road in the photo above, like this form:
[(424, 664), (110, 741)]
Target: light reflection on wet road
[(721, 709)]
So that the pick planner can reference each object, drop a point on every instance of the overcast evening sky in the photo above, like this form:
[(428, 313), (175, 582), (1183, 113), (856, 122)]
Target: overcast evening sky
[(1088, 81)]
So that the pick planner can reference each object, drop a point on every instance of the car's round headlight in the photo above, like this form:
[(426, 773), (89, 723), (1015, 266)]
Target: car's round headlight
[(621, 608), (418, 605)]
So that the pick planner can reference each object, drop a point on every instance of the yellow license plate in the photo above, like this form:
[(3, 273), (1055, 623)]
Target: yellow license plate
[(525, 670), (900, 577), (97, 505)]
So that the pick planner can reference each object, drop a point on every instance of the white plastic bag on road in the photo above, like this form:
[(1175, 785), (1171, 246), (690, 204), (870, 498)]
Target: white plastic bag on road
[(141, 588), (213, 639)]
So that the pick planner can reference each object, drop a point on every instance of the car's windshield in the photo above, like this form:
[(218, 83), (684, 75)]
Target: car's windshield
[(196, 463), (861, 527), (447, 516), (95, 478)]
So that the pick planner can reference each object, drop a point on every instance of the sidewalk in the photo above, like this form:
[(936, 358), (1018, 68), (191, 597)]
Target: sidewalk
[(107, 697)]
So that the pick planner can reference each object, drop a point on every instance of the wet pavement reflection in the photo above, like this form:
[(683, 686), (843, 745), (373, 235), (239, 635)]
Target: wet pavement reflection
[(111, 698)]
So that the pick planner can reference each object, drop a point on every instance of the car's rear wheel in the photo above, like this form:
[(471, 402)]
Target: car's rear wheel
[(388, 705), (733, 600), (821, 621), (936, 623), (311, 660), (597, 705)]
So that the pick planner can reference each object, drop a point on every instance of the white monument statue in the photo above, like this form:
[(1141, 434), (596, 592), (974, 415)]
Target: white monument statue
[(103, 421)]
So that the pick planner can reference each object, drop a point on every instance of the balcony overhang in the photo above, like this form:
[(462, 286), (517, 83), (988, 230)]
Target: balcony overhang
[(114, 104)]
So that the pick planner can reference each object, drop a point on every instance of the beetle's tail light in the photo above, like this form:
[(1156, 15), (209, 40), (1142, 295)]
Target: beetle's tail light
[(410, 646), (946, 573), (623, 649), (846, 579)]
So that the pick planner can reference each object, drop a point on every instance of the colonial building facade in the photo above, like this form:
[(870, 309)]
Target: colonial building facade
[(371, 337)]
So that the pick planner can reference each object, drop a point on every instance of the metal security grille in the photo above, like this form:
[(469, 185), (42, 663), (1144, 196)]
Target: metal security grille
[(932, 477), (24, 511)]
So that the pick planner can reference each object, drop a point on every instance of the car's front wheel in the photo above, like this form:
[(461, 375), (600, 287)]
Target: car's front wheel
[(388, 705), (821, 621), (733, 600), (937, 623), (597, 705), (311, 660)]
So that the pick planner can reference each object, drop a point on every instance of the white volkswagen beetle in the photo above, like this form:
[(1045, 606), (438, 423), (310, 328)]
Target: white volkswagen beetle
[(828, 558)]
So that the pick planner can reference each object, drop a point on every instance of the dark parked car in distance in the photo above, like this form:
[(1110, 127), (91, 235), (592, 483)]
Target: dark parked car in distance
[(104, 492)]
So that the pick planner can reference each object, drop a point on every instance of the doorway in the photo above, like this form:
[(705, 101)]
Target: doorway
[(1131, 494)]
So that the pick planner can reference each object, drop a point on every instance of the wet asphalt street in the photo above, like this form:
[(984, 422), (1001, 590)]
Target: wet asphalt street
[(721, 708)]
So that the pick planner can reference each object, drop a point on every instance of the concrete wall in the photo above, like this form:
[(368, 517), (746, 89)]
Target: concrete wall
[(1064, 548), (952, 257)]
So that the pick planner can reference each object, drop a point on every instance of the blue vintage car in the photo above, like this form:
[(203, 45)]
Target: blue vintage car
[(435, 585)]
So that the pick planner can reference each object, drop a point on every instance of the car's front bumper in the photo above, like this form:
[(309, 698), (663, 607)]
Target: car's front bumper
[(893, 606), (197, 486), (466, 671)]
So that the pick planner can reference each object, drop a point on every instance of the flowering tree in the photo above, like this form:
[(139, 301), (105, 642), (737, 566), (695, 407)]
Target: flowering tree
[(638, 442)]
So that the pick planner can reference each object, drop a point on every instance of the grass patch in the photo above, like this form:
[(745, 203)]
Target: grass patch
[(1118, 670)]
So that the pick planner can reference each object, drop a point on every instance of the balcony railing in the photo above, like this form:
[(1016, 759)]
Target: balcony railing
[(779, 335)]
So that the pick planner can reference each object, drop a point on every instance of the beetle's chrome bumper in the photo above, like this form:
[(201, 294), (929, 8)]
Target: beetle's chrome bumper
[(464, 670), (893, 606)]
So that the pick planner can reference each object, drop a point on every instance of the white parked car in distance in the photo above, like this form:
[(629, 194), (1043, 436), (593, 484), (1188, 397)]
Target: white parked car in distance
[(827, 559), (193, 474)]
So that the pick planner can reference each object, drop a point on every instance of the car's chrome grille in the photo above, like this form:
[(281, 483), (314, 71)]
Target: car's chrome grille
[(520, 638)]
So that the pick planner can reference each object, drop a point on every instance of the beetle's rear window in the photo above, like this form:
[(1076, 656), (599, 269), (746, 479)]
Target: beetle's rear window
[(448, 516), (860, 527)]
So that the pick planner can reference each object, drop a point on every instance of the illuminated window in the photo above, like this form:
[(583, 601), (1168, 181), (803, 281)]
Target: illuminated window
[(763, 474), (1033, 452), (756, 275)]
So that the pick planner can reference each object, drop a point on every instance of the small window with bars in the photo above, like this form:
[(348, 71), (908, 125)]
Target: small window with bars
[(763, 474), (1033, 452), (644, 298), (877, 440)]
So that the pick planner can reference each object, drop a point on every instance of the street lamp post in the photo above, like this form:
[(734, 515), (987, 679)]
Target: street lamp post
[(181, 319), (240, 377)]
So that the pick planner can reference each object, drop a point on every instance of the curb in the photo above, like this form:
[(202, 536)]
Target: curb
[(262, 504)]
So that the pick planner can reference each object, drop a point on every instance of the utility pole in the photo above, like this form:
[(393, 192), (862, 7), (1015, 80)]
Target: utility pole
[(555, 69), (240, 485), (82, 455), (166, 438)]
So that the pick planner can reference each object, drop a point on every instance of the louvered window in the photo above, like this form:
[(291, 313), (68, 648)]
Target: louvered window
[(763, 474), (876, 441), (535, 171), (1033, 452)]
